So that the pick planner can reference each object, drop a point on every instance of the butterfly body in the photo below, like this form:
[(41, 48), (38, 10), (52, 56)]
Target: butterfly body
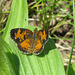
[(28, 41)]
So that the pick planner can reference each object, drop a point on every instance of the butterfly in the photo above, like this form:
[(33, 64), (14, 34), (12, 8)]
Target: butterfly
[(28, 41)]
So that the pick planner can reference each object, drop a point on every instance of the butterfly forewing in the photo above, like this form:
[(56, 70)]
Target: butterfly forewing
[(20, 34), (43, 35)]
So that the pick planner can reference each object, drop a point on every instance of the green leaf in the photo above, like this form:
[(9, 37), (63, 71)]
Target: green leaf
[(18, 16), (6, 67), (49, 62), (72, 70)]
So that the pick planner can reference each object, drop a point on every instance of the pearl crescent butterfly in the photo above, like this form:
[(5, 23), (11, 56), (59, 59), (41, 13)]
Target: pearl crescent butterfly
[(28, 41)]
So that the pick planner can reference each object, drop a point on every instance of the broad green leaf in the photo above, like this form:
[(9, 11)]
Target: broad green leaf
[(49, 62), (18, 16), (6, 67)]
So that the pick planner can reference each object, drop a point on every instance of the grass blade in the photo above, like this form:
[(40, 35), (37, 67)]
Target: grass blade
[(69, 64)]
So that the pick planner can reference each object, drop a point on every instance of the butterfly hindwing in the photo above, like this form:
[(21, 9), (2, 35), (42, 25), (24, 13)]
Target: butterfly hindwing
[(26, 51)]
